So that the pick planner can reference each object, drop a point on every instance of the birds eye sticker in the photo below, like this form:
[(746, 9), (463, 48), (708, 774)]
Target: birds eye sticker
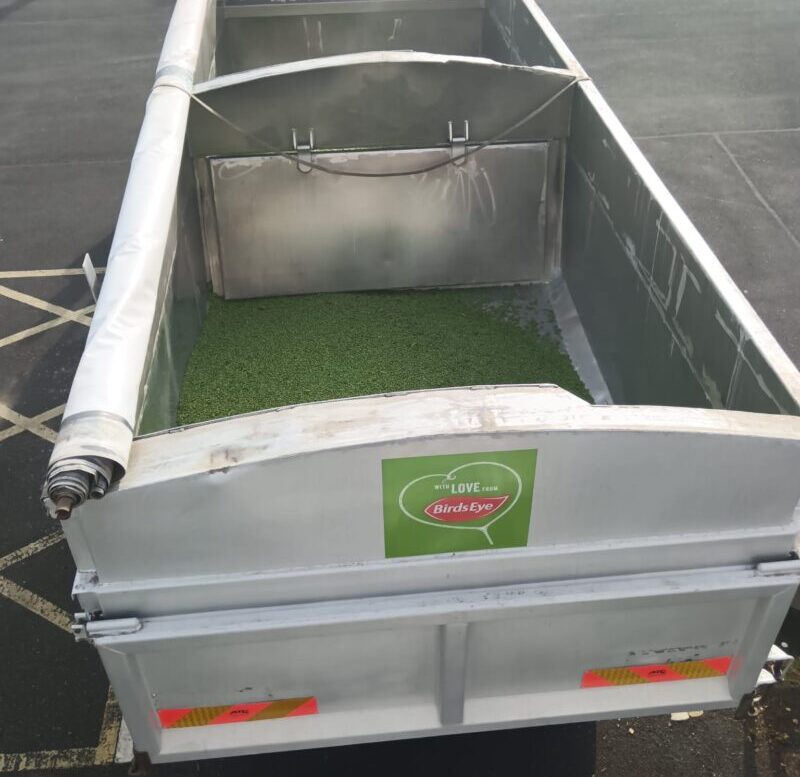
[(459, 502)]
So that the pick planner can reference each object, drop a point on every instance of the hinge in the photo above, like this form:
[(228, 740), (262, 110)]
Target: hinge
[(303, 150), (87, 628), (458, 144), (78, 627)]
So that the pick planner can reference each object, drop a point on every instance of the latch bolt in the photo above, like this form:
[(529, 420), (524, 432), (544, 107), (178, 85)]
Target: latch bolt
[(303, 150), (458, 144)]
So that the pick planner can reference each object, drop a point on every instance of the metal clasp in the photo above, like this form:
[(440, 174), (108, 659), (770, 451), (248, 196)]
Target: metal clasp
[(458, 145), (303, 150)]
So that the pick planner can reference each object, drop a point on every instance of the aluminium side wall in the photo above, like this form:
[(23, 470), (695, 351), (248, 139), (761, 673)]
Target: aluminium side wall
[(666, 323)]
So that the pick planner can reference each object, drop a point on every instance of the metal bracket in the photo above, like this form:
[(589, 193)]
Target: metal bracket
[(303, 150), (78, 627), (453, 662), (458, 145), (141, 765), (775, 668), (84, 589), (778, 663), (91, 275)]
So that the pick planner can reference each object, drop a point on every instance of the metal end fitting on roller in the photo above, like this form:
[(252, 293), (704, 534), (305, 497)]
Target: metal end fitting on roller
[(71, 482)]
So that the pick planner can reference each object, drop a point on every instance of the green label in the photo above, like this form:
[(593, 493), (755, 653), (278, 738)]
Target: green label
[(467, 501)]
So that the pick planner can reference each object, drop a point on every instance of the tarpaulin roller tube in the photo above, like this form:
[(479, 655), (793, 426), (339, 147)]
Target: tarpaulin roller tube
[(101, 414)]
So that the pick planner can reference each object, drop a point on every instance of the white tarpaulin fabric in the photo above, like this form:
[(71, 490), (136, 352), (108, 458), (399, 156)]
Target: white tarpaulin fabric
[(101, 413)]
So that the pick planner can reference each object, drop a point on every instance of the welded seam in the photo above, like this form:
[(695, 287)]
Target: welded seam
[(35, 330), (33, 425), (754, 189), (40, 304)]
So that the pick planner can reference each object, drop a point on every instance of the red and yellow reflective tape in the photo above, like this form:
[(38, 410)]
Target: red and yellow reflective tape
[(186, 717), (656, 673)]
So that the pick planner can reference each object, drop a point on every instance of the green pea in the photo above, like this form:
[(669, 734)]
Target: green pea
[(264, 353)]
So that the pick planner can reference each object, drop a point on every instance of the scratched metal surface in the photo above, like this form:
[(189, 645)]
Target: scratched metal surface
[(392, 99), (250, 42), (665, 322), (661, 330), (482, 222)]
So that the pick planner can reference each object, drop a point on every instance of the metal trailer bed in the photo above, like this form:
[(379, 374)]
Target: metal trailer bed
[(427, 562)]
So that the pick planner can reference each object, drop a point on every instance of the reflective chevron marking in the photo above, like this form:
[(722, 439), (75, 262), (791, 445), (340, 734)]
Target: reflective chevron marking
[(656, 673), (237, 713)]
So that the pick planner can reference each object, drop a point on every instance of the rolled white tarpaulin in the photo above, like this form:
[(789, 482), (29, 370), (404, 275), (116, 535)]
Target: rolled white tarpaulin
[(97, 429)]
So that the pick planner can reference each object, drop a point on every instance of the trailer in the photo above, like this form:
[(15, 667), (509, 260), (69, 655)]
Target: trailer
[(418, 558)]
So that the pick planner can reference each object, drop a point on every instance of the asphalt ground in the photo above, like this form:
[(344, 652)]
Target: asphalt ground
[(708, 87)]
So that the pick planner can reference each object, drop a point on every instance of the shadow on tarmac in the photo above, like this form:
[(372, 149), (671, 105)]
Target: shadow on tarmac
[(546, 751)]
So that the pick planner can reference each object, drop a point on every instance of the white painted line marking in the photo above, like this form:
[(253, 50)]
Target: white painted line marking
[(757, 193), (35, 604), (40, 304), (25, 598), (33, 425), (47, 760), (712, 133), (109, 731), (45, 273), (35, 330), (31, 549), (109, 742)]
